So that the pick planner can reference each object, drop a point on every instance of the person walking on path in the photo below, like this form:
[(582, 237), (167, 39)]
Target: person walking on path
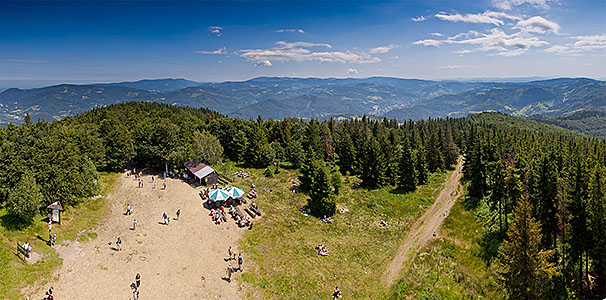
[(178, 213), (229, 252), (230, 270), (135, 294), (240, 262), (134, 224), (128, 211), (137, 281), (167, 220), (164, 183), (164, 216), (152, 178), (155, 185), (118, 242)]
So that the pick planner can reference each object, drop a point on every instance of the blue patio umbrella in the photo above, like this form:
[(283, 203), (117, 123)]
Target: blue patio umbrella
[(235, 192), (218, 195)]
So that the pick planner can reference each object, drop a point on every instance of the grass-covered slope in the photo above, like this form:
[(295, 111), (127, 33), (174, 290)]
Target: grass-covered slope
[(282, 242)]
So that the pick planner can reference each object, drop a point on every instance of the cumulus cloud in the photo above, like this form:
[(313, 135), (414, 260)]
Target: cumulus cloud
[(584, 43), (291, 30), (418, 19), (382, 49), (303, 51), (428, 42), (216, 30), (496, 41), (352, 71), (537, 24), (510, 4), (28, 61), (487, 17), (221, 50)]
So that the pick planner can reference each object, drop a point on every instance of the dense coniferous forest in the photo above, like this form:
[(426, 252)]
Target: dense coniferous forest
[(541, 192)]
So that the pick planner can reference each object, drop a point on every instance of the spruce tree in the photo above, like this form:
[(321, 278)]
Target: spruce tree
[(421, 167), (322, 199), (408, 173), (579, 238), (597, 227), (526, 270)]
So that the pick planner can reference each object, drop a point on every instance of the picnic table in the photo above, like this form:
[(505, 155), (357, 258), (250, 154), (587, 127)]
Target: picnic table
[(239, 212)]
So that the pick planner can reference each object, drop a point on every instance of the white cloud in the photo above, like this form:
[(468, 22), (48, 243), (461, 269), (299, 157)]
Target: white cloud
[(509, 4), (428, 42), (263, 63), (584, 43), (537, 24), (351, 71), (487, 17), (436, 34), (29, 61), (216, 30), (418, 19), (590, 42), (495, 41), (455, 67), (303, 51), (221, 50), (382, 49), (291, 30)]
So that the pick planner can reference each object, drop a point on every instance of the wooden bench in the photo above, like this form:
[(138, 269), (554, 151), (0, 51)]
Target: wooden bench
[(22, 250), (252, 214), (239, 213), (255, 210)]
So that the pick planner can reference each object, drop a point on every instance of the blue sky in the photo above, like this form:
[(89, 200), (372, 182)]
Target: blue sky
[(86, 41)]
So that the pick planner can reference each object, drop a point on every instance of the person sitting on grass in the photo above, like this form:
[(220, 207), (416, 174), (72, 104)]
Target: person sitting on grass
[(337, 293), (326, 219), (382, 223)]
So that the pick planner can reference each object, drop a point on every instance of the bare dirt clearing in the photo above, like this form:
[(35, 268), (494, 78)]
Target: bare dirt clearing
[(423, 228), (182, 260)]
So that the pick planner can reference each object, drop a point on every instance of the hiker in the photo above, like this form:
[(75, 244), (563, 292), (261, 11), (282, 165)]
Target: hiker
[(135, 294), (118, 242), (240, 262), (128, 211), (134, 224), (155, 185), (164, 216), (229, 253), (337, 293), (164, 183), (230, 270), (137, 281), (49, 293), (152, 178), (167, 220), (178, 213)]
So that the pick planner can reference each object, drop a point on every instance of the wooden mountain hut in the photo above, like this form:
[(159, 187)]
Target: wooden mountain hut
[(201, 173)]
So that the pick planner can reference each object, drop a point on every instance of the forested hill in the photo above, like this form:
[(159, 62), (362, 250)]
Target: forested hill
[(278, 98), (590, 122), (540, 194)]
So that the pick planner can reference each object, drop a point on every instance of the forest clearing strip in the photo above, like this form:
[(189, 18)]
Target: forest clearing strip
[(423, 228)]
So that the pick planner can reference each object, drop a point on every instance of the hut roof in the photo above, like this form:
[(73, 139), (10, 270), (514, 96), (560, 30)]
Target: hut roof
[(56, 205), (199, 170)]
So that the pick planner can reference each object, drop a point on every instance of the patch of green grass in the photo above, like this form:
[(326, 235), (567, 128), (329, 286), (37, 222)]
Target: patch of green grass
[(282, 243), (463, 274), (77, 223)]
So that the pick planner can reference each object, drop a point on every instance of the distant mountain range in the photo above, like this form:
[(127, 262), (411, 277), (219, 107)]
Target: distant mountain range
[(279, 97)]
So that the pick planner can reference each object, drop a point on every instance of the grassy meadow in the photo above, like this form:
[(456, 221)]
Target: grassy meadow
[(281, 244), (77, 223)]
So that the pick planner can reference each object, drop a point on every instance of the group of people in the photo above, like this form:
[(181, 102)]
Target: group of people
[(242, 174), (218, 215), (230, 269), (305, 211), (322, 251), (326, 219)]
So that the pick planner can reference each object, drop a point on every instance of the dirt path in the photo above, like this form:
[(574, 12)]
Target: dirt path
[(182, 260), (423, 228)]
